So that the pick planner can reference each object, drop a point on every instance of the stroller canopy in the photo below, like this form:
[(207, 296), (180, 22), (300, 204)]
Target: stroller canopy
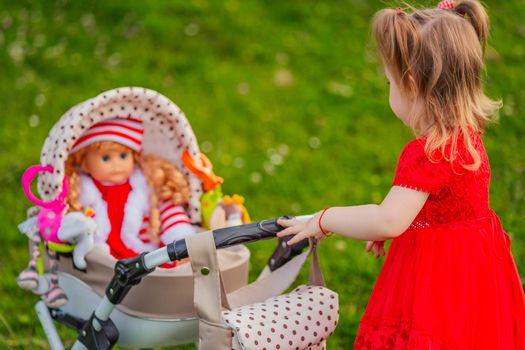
[(167, 134)]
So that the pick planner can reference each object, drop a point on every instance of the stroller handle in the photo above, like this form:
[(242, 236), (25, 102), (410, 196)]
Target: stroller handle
[(229, 236), (129, 272)]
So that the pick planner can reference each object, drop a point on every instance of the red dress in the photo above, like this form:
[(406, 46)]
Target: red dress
[(449, 281)]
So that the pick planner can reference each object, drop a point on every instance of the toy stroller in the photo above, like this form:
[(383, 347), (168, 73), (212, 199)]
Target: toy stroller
[(107, 305)]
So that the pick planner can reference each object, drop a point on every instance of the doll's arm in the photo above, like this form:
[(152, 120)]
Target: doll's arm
[(369, 222), (133, 242), (175, 223)]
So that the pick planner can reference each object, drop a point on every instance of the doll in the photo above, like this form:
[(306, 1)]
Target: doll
[(118, 200), (137, 199)]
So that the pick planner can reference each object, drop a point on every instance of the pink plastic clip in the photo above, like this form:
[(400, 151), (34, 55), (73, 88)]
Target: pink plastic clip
[(51, 213)]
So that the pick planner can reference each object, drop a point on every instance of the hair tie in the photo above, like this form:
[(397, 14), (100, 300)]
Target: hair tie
[(398, 10), (449, 5), (446, 5)]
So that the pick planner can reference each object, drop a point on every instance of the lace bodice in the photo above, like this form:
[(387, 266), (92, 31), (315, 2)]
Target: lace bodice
[(456, 194)]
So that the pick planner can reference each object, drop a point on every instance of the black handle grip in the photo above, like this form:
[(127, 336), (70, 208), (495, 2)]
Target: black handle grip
[(229, 236), (284, 252)]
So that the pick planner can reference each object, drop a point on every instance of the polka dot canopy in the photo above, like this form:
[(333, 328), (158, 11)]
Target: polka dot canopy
[(166, 134)]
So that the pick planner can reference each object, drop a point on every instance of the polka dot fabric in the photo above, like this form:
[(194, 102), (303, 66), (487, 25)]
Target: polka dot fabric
[(302, 319), (166, 134)]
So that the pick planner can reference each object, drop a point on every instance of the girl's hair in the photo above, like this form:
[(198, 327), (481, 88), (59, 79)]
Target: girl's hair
[(165, 179), (436, 56)]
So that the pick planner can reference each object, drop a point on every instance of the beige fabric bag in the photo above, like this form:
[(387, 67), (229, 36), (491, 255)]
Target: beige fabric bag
[(257, 316)]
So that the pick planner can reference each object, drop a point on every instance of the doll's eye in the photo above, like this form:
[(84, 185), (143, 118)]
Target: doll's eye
[(123, 155), (105, 158)]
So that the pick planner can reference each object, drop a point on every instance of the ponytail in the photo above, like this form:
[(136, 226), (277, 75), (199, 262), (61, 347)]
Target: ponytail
[(397, 39), (476, 14)]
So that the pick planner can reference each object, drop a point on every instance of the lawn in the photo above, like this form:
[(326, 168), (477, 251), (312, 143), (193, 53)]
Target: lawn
[(285, 97)]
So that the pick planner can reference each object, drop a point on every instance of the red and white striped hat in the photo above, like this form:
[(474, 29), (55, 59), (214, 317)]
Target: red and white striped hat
[(125, 131)]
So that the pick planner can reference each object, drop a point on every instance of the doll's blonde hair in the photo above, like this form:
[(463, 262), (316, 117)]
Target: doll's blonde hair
[(164, 178), (437, 56)]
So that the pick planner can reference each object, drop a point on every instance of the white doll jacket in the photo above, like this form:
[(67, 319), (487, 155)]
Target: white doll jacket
[(174, 220)]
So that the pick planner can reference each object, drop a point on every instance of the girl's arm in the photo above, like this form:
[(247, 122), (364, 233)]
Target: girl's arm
[(369, 222)]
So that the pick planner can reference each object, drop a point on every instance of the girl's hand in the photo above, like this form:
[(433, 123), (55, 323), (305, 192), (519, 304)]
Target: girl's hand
[(377, 247), (301, 229)]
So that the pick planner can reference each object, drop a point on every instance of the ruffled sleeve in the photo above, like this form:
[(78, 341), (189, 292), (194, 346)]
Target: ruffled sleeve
[(416, 171)]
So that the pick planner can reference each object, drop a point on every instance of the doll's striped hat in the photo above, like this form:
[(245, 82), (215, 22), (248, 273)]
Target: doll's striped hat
[(125, 131)]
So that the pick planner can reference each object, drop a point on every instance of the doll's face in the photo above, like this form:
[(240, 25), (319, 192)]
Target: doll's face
[(112, 163)]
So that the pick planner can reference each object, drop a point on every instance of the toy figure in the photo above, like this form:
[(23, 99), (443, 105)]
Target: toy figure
[(218, 211), (48, 223), (137, 199)]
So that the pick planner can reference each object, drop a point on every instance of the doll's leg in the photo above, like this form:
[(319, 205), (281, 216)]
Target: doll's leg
[(28, 279), (55, 296)]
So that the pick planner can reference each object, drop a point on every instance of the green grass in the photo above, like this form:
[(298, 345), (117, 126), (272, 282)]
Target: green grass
[(256, 79)]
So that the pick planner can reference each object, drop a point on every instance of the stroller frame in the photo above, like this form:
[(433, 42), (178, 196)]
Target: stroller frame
[(99, 331)]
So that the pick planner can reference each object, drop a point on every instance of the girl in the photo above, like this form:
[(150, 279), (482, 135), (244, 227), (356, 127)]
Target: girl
[(449, 280), (135, 198)]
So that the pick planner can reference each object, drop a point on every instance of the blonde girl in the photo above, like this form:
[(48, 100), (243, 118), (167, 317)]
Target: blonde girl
[(449, 280)]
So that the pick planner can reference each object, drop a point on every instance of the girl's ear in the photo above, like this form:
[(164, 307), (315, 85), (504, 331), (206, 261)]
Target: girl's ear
[(412, 86)]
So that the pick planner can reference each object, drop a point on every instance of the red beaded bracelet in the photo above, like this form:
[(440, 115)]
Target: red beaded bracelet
[(319, 222)]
